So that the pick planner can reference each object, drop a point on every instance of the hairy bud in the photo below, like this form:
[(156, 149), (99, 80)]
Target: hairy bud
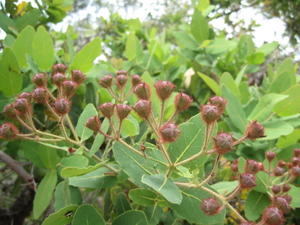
[(62, 106), (107, 109), (26, 95), (282, 204), (142, 91), (288, 198), (210, 113), (255, 130), (40, 95), (106, 81), (8, 131), (247, 180), (270, 156), (40, 80), (9, 111), (281, 163), (58, 79), (169, 132), (93, 123), (210, 206), (121, 80), (143, 108), (22, 106), (276, 189), (297, 152), (164, 89), (59, 68), (296, 171), (223, 143), (295, 161), (286, 187), (182, 102), (219, 102), (123, 111), (69, 88), (278, 171), (135, 80), (77, 76), (273, 216), (252, 166)]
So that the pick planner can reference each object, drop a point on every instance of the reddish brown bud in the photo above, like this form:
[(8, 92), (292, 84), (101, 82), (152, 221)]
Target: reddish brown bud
[(210, 206), (286, 187), (273, 216), (22, 106), (121, 80), (281, 163), (9, 111), (278, 171), (40, 95), (143, 108), (182, 102), (69, 88), (93, 123), (288, 198), (142, 91), (8, 131), (270, 156), (59, 68), (71, 150), (123, 111), (234, 166), (247, 180), (122, 72), (135, 80), (58, 79), (164, 89), (40, 80), (223, 143), (296, 171), (252, 166), (106, 81), (62, 106), (77, 76), (295, 161), (210, 113), (26, 95), (219, 102), (107, 109), (276, 189), (169, 132), (282, 204), (297, 152), (255, 130)]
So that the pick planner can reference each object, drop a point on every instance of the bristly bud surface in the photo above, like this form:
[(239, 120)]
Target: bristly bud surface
[(93, 123), (255, 130), (40, 95), (219, 102), (169, 132), (210, 113), (62, 106), (164, 89), (143, 108), (106, 81), (40, 80), (8, 131), (142, 91), (77, 76), (210, 206), (107, 109), (182, 102), (123, 111)]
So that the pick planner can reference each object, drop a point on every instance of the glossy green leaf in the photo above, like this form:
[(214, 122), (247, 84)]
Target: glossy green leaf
[(87, 215), (227, 81), (255, 204), (288, 140), (132, 47), (62, 217), (75, 161), (262, 182), (130, 127), (277, 128), (212, 84), (44, 193), (133, 217), (143, 197), (199, 27), (225, 187)]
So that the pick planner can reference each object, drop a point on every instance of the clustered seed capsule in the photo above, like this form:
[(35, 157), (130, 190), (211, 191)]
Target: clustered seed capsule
[(169, 132), (164, 89), (123, 111), (107, 109), (210, 206), (182, 102), (93, 123), (223, 143), (247, 181), (143, 108), (210, 113), (255, 130), (142, 91)]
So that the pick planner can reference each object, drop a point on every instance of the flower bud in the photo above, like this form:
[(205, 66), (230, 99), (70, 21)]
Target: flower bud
[(106, 81), (135, 80), (122, 72), (69, 88), (77, 76), (296, 171), (182, 102), (210, 206), (247, 180), (282, 204), (169, 132), (288, 198), (164, 89), (295, 161), (26, 95), (71, 150), (22, 106), (255, 130), (107, 109), (121, 80), (8, 131), (273, 216), (281, 163), (278, 171), (58, 79), (286, 187), (234, 166), (297, 152), (210, 113), (276, 189), (40, 95), (62, 106), (142, 91), (219, 102), (223, 143), (59, 68), (252, 166), (143, 108), (93, 123), (123, 111), (9, 111), (270, 156), (40, 80)]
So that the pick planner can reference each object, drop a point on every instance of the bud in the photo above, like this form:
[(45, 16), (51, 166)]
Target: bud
[(40, 95), (143, 108), (26, 95), (9, 111), (295, 161), (123, 111), (276, 189), (59, 68), (278, 171), (252, 166), (286, 187), (40, 80), (210, 113), (69, 88), (273, 216), (121, 72), (210, 206), (219, 102), (71, 150), (234, 166), (106, 81), (281, 163), (296, 171), (62, 106), (247, 180), (77, 76), (288, 198), (58, 79), (107, 109), (93, 123), (142, 91), (255, 130), (169, 132), (135, 80), (121, 80), (282, 204), (164, 89), (297, 152), (270, 156), (22, 105), (182, 102), (223, 143), (260, 166), (8, 131)]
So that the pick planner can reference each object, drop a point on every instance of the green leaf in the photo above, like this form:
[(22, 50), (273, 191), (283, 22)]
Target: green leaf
[(23, 45), (75, 161), (268, 48), (133, 217), (275, 129), (220, 46), (99, 139), (87, 215), (262, 182), (84, 132), (84, 59), (164, 186), (10, 77), (225, 187), (6, 23), (77, 171), (44, 193), (255, 204), (286, 141), (43, 49), (143, 196), (294, 193), (122, 204), (130, 127), (185, 40), (62, 217), (228, 82), (212, 84), (31, 18), (199, 27), (256, 58), (132, 47)]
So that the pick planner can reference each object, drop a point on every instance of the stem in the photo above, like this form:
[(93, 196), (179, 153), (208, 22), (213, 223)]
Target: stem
[(52, 111), (173, 116), (71, 126), (130, 147), (239, 141), (234, 193), (212, 173), (161, 112)]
